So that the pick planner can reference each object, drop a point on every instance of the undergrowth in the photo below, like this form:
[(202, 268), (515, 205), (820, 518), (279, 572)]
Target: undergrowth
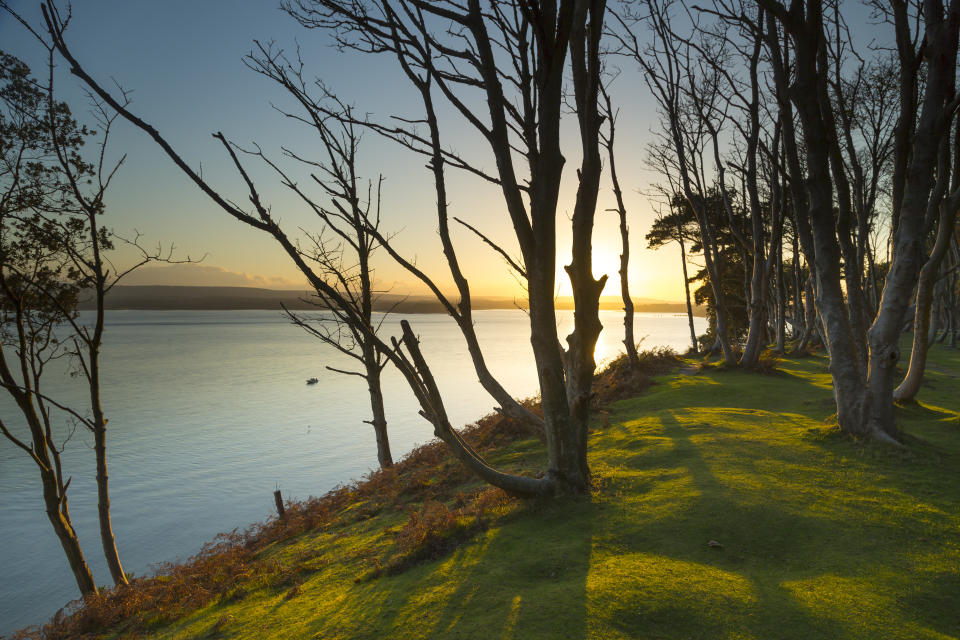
[(426, 486)]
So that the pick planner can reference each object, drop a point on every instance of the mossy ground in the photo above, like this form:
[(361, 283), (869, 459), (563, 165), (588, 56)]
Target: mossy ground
[(816, 535)]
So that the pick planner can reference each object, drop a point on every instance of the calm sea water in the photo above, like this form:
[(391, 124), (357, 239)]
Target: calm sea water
[(209, 413)]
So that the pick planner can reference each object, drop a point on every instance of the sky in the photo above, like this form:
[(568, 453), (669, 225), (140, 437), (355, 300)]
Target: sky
[(182, 62)]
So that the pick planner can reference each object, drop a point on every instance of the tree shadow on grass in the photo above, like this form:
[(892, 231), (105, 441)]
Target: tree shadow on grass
[(785, 548), (525, 578)]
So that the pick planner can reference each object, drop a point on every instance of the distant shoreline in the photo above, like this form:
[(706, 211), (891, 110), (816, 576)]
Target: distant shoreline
[(199, 298)]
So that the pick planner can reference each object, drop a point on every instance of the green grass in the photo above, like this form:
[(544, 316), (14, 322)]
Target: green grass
[(822, 536)]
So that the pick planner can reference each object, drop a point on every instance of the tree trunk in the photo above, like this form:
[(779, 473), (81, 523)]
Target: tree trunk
[(107, 537), (66, 534), (686, 289), (54, 490), (848, 379), (919, 183), (810, 315), (379, 421), (798, 321), (757, 291), (629, 341), (910, 385), (781, 303)]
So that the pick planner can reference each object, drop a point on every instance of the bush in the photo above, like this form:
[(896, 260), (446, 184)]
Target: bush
[(620, 379)]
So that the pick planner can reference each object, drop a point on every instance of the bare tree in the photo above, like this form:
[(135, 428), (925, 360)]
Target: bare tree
[(67, 222), (273, 64), (341, 251), (33, 185), (667, 71), (541, 41), (607, 140), (864, 390), (923, 321), (534, 42)]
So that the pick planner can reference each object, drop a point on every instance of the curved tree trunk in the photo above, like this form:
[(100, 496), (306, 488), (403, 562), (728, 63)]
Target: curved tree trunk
[(58, 514), (910, 386), (923, 188), (46, 457)]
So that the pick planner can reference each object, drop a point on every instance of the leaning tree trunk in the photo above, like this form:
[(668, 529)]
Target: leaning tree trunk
[(54, 491), (93, 342), (910, 386), (58, 513), (919, 183)]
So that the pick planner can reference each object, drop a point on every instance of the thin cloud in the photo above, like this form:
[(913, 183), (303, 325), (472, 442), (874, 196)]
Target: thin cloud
[(197, 275)]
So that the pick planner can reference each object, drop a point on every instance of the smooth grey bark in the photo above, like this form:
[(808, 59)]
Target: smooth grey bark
[(845, 225), (865, 398), (806, 31), (910, 386), (932, 124)]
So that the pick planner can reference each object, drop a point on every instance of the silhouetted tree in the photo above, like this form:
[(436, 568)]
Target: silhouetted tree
[(341, 251), (37, 290), (607, 140), (540, 38)]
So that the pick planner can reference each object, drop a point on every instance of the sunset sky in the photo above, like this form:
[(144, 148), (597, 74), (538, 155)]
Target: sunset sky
[(182, 61)]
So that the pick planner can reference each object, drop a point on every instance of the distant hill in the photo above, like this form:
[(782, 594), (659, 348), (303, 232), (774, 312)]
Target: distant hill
[(183, 298)]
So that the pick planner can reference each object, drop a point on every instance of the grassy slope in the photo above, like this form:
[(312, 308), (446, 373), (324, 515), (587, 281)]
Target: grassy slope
[(821, 537)]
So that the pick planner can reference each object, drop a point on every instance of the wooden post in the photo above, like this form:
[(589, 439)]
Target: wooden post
[(278, 499)]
